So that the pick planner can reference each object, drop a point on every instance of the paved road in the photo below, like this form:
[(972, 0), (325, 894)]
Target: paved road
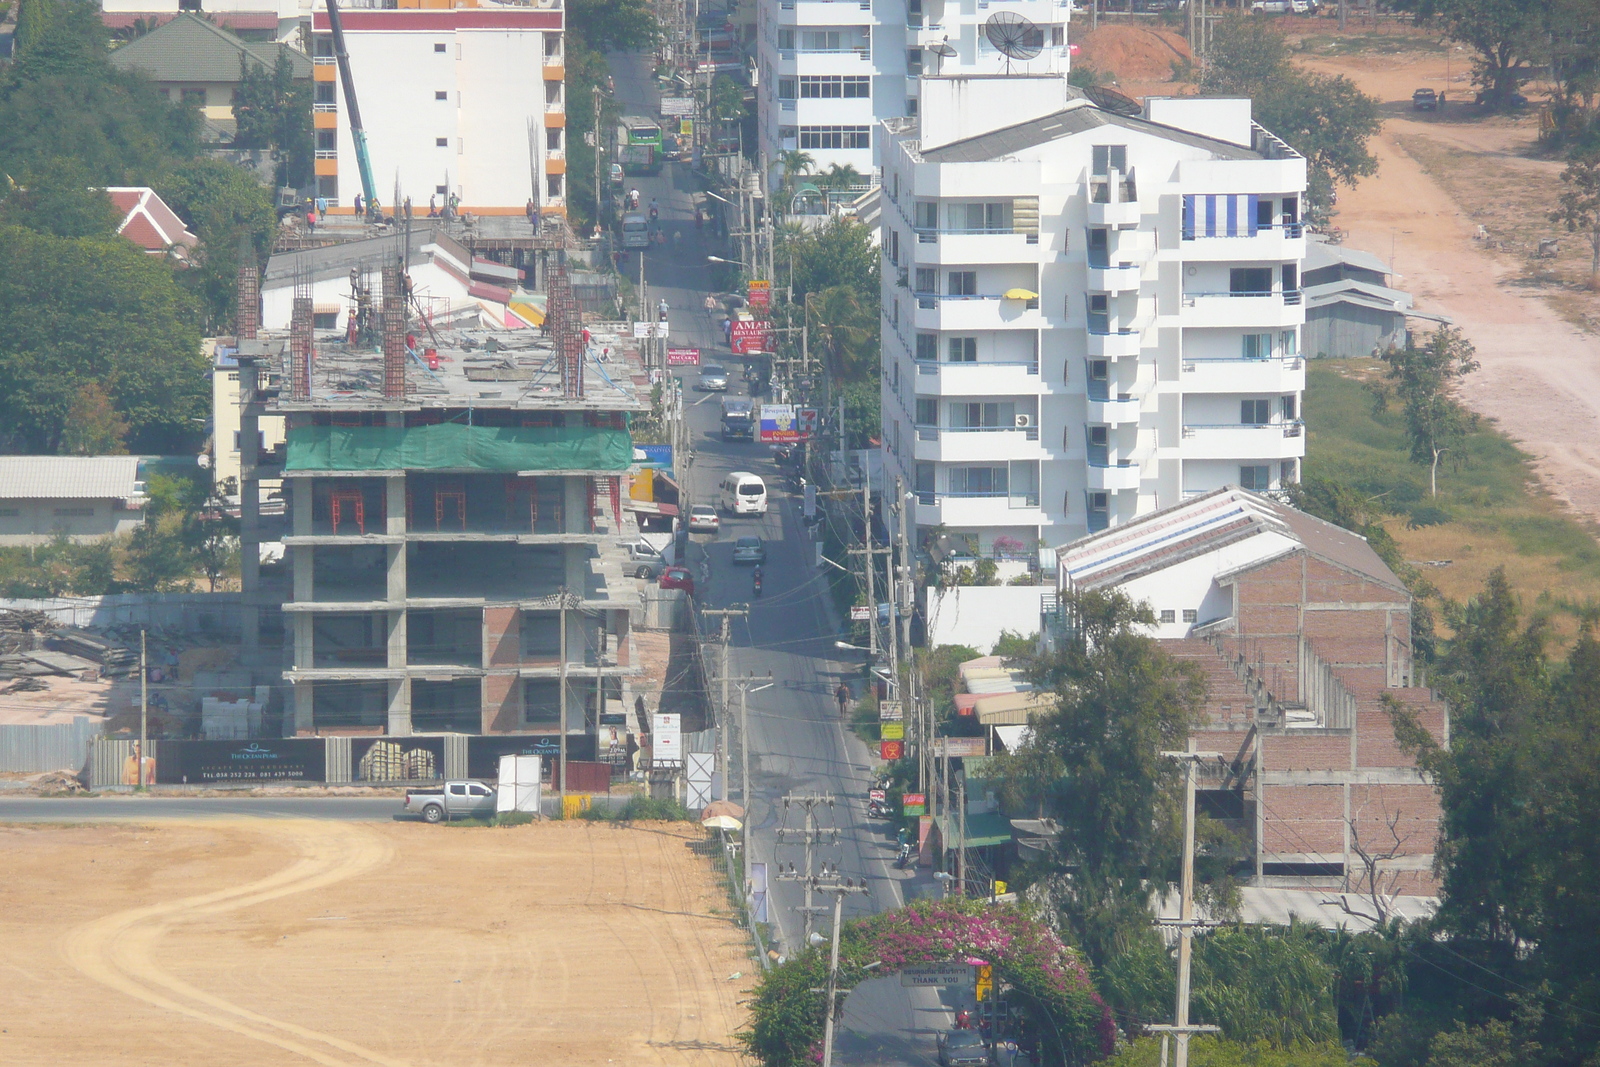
[(798, 743), (41, 809)]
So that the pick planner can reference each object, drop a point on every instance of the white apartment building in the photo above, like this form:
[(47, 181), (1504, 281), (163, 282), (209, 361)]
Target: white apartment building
[(468, 101), (1088, 315), (830, 71)]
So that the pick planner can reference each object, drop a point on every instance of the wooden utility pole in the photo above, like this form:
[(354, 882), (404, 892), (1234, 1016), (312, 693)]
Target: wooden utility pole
[(726, 614), (144, 715), (809, 836), (1186, 923), (746, 687), (839, 892)]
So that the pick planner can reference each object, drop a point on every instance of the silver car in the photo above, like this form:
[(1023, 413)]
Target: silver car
[(713, 379), (749, 550)]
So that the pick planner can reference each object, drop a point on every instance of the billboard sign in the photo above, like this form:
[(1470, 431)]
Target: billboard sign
[(914, 804), (781, 424), (936, 975), (679, 106), (892, 731), (760, 293), (890, 710), (960, 746), (266, 759), (650, 329), (749, 335), (891, 750), (683, 357), (860, 612), (666, 740), (404, 759), (654, 456), (484, 751)]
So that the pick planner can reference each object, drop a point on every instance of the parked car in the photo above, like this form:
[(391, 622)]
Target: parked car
[(749, 550), (963, 1048), (713, 378), (703, 519), (451, 800), (678, 578), (1424, 100), (649, 556)]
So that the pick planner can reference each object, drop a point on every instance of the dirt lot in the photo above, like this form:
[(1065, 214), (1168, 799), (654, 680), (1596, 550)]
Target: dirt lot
[(288, 942)]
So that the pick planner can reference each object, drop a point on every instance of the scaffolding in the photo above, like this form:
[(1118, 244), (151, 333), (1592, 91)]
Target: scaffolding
[(300, 336), (395, 296), (248, 317), (565, 318)]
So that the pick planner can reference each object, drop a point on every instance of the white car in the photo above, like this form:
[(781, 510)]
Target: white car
[(703, 519)]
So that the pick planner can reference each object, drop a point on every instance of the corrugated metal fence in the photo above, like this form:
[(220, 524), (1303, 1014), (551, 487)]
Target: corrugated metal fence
[(58, 747)]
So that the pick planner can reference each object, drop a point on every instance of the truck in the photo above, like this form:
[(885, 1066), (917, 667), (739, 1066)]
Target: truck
[(738, 419), (639, 158), (635, 230), (462, 799)]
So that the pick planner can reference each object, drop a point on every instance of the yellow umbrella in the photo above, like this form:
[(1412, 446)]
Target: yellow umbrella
[(1019, 294), (722, 822)]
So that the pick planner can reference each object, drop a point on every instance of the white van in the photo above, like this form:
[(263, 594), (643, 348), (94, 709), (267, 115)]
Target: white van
[(635, 231), (744, 494)]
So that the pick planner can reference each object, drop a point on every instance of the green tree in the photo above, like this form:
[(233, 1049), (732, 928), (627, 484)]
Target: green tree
[(231, 212), (839, 253), (58, 197), (1421, 379), (1579, 206), (1213, 1052), (843, 331), (595, 27), (94, 427), (273, 110), (1508, 38), (81, 310), (1121, 701)]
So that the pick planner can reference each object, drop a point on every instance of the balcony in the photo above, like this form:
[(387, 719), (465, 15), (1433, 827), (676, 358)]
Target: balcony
[(976, 313), (1267, 441), (1244, 375), (960, 510), (977, 379), (977, 444), (1107, 277), (1111, 408), (1282, 242), (1111, 339), (1244, 308), (1112, 201), (1111, 477), (975, 246)]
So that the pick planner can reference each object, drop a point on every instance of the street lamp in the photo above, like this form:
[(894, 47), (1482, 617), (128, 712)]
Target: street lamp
[(714, 196), (733, 262), (847, 646)]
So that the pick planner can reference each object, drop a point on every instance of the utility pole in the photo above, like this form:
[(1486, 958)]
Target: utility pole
[(922, 734), (866, 540), (961, 833), (597, 164), (562, 686), (746, 687), (1186, 923), (727, 614), (839, 891), (810, 836), (144, 713)]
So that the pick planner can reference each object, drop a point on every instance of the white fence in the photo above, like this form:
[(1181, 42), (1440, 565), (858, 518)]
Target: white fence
[(60, 747), (208, 613)]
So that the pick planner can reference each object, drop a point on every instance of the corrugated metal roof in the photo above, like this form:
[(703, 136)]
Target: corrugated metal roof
[(1364, 293), (68, 477), (1320, 254), (1081, 118), (191, 48)]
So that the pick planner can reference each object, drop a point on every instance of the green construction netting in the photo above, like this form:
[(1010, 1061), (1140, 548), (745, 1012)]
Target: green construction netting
[(457, 446)]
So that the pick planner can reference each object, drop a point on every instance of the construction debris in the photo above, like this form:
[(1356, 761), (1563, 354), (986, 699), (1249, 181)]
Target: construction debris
[(22, 631), (26, 685), (115, 660)]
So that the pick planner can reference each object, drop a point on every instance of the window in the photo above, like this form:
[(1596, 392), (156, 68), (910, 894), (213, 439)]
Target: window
[(988, 218), (963, 283), (1191, 615), (894, 247), (1287, 475), (1250, 281), (927, 280), (913, 62), (441, 94), (927, 411), (978, 481), (322, 44), (834, 87), (927, 348), (325, 320), (1058, 36), (1099, 314), (962, 350), (458, 789), (1289, 341), (1099, 370), (1168, 615), (894, 372), (552, 46), (1291, 278), (1291, 407), (325, 92), (10, 513), (441, 142), (552, 185), (835, 137), (1263, 213), (1099, 248), (924, 477), (822, 40), (1099, 511), (1098, 436), (925, 214), (438, 48), (1258, 346), (896, 446), (552, 93), (552, 139), (1255, 412), (325, 140), (193, 97), (1257, 478), (1110, 157), (785, 88), (976, 415), (328, 186), (786, 39), (441, 190)]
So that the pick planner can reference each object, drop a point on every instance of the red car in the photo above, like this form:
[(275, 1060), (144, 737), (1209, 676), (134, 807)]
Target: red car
[(678, 578)]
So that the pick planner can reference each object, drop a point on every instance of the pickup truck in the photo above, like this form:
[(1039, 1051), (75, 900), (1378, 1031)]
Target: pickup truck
[(451, 800)]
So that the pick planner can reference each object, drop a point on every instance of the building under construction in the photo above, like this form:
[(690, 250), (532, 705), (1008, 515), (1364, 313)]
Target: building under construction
[(452, 521)]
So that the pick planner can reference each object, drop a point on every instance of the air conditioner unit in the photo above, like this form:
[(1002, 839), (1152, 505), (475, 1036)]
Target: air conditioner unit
[(1024, 421)]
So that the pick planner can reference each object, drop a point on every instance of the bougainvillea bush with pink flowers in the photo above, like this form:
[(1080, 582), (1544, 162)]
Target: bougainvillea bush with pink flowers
[(1049, 981)]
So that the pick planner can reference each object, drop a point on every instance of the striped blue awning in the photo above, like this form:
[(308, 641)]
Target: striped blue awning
[(1219, 215)]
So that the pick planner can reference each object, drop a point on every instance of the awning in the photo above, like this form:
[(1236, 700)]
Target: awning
[(983, 830), (1013, 737), (650, 507), (326, 309), (1013, 709)]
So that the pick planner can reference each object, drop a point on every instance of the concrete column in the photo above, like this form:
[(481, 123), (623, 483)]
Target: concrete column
[(400, 707), (575, 509), (300, 504), (303, 651), (249, 518), (304, 720), (301, 561)]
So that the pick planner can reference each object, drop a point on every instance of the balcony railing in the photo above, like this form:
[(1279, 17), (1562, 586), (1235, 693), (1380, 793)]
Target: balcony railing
[(928, 301), (327, 153), (931, 367), (1289, 229), (1289, 362), (326, 109), (1100, 325), (1015, 500), (324, 61), (1289, 428)]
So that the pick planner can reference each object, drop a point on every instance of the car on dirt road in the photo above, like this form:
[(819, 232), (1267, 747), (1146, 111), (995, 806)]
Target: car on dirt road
[(963, 1048), (1424, 100), (451, 800), (703, 519)]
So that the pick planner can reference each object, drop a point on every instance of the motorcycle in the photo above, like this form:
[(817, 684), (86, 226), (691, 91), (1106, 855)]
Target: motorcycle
[(756, 577), (904, 857)]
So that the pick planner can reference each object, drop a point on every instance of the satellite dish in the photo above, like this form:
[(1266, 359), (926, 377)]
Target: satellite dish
[(944, 50), (1111, 100), (1013, 36)]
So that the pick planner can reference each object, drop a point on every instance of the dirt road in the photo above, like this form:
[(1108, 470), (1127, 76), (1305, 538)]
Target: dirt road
[(291, 942), (1540, 379)]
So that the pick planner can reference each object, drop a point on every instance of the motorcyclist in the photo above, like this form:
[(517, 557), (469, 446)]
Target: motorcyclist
[(661, 310), (963, 1019), (905, 855), (633, 199), (655, 212), (756, 577)]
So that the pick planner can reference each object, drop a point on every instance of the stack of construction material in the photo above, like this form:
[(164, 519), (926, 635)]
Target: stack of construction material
[(117, 661), (229, 720), (22, 631)]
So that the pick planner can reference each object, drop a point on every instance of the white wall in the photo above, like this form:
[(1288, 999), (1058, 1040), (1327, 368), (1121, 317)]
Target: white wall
[(974, 615)]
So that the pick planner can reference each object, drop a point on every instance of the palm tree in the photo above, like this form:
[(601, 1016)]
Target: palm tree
[(795, 163), (844, 330), (840, 177)]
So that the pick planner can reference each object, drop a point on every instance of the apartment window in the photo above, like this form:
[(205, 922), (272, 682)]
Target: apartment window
[(913, 62), (438, 48), (1110, 157), (1258, 346), (441, 190), (552, 139), (1291, 407), (785, 88), (441, 142), (1099, 370), (978, 481), (835, 137), (927, 411), (927, 348), (962, 350), (822, 40), (1169, 615), (552, 93), (894, 247), (441, 94), (1058, 36), (1250, 281), (552, 185), (325, 93), (924, 478), (1191, 615), (326, 140), (963, 283), (925, 214), (552, 46), (894, 187), (1255, 412), (979, 415), (896, 315), (911, 106), (1286, 473), (1099, 314), (834, 87), (322, 44), (786, 39), (896, 446), (927, 280), (1263, 213), (1291, 278), (1289, 342), (1255, 478), (1099, 511), (894, 373), (788, 135), (1099, 249), (992, 217)]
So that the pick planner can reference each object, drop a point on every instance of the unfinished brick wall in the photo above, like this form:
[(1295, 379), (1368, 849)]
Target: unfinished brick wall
[(502, 704), (502, 637)]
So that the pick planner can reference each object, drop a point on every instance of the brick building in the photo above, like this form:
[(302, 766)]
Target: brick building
[(1303, 634)]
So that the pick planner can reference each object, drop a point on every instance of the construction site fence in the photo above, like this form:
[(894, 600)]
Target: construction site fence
[(212, 614), (458, 446), (48, 747)]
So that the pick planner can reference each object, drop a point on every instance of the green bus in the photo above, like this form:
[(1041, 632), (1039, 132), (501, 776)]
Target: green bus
[(643, 131)]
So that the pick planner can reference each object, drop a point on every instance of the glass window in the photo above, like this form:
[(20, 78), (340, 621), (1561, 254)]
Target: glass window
[(1291, 407), (1286, 473), (438, 48), (1289, 341), (963, 283), (1255, 478), (1254, 412), (1258, 346), (785, 88), (325, 92), (1250, 281), (1110, 157), (925, 214), (927, 411), (927, 347), (978, 481), (1191, 615), (1099, 370), (1169, 615), (962, 350), (924, 476)]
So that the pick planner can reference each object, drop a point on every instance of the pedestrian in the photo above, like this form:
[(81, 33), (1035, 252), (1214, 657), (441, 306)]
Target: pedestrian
[(677, 239), (408, 209), (358, 205), (699, 218), (322, 208), (711, 304), (311, 220), (638, 710), (455, 204), (842, 695), (529, 210), (727, 330), (661, 310)]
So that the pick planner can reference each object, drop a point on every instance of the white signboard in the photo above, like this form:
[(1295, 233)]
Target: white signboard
[(701, 779), (944, 975), (650, 329), (666, 740), (681, 106), (519, 784), (891, 711)]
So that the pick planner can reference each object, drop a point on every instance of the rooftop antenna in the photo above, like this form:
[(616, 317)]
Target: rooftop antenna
[(1014, 37), (944, 50)]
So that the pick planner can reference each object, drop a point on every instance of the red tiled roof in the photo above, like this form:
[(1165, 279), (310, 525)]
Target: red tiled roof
[(149, 223)]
